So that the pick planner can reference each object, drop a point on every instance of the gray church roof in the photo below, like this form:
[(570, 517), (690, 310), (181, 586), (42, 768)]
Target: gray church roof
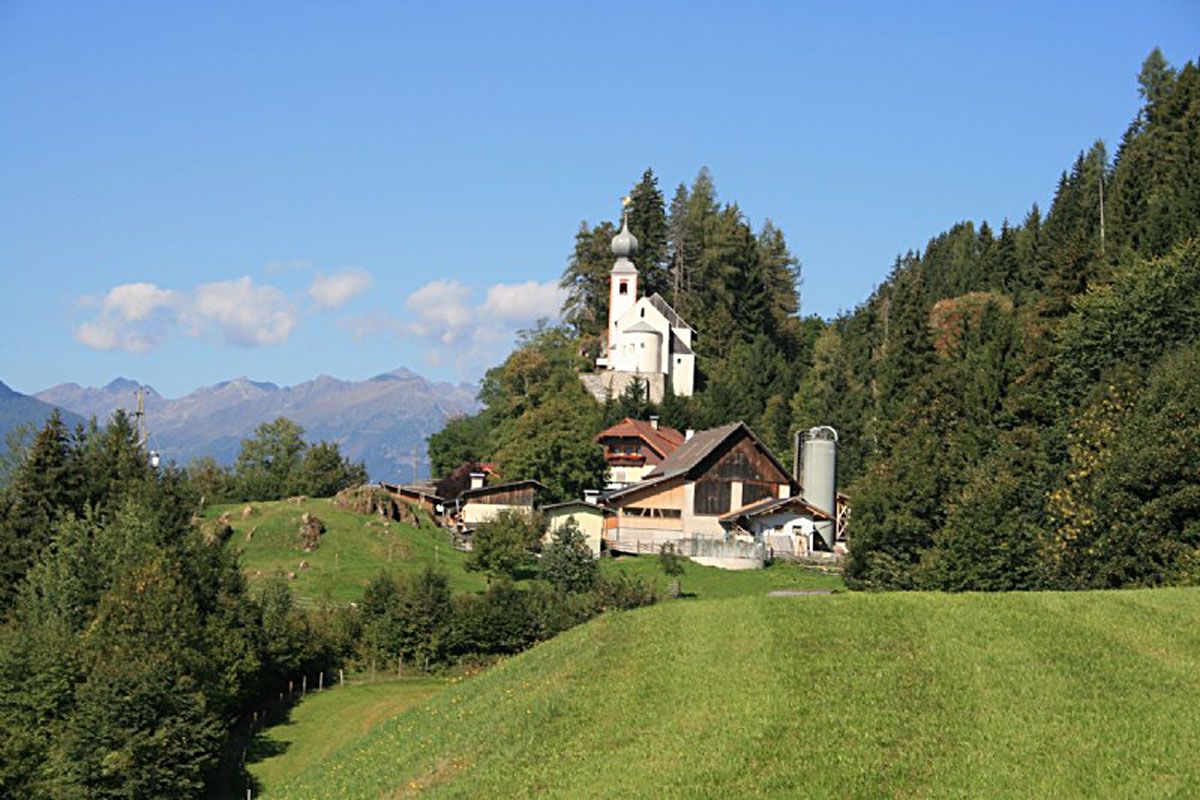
[(679, 347), (641, 327), (665, 309)]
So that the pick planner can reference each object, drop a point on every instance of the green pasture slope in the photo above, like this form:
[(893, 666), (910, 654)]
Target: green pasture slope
[(711, 583), (354, 549), (326, 721), (845, 695)]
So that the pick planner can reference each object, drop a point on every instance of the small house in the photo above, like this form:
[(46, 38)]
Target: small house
[(481, 503), (633, 447), (587, 515), (785, 525)]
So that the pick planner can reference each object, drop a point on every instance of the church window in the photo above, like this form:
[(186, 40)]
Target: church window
[(624, 288), (643, 312)]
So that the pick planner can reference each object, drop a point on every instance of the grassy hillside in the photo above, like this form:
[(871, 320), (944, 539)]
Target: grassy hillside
[(326, 721), (849, 695), (711, 583), (356, 547), (353, 550)]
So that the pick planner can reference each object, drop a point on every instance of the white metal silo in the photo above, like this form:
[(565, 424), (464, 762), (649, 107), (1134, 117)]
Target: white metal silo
[(817, 472)]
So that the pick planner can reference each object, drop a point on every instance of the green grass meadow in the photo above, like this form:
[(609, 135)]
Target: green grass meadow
[(326, 721), (354, 549), (711, 583), (846, 695)]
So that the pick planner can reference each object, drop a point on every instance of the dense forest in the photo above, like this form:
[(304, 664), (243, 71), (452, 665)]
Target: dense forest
[(1018, 407)]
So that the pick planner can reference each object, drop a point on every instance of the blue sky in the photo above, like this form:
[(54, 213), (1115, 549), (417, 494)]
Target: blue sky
[(194, 191)]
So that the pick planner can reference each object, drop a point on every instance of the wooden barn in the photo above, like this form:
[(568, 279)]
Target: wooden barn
[(709, 475), (481, 503)]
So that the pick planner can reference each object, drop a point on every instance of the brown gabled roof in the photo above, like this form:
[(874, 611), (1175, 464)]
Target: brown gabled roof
[(693, 451), (689, 454), (664, 440), (770, 505)]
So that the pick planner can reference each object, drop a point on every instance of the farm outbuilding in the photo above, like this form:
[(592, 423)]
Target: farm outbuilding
[(588, 516)]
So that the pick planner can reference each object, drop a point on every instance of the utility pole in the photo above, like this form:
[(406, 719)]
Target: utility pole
[(140, 416)]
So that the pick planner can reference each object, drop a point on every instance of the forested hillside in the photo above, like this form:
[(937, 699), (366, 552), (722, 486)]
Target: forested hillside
[(1019, 405)]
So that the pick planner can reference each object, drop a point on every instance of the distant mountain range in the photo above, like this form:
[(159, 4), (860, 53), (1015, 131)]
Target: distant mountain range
[(381, 421), (20, 409)]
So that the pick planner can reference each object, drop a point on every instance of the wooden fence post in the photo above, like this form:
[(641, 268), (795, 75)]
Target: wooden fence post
[(304, 686), (321, 680), (341, 677)]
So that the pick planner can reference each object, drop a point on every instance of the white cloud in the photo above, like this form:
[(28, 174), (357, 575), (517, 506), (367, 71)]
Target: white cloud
[(132, 316), (334, 291), (138, 316), (241, 313), (523, 302), (440, 312), (457, 328)]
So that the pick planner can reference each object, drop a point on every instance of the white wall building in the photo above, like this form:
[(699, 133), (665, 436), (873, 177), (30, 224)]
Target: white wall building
[(647, 339)]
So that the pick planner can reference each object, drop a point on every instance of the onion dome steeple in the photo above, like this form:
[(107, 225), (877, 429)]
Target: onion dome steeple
[(624, 244)]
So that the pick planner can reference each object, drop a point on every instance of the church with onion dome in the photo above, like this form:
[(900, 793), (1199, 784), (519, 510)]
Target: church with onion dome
[(646, 340)]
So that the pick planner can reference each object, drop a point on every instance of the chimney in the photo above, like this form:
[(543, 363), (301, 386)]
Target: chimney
[(689, 433), (591, 496), (476, 480), (654, 423)]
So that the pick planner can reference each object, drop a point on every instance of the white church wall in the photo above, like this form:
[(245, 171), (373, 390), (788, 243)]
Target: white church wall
[(683, 373)]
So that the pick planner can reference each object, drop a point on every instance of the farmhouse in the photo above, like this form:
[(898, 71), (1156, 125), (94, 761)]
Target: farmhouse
[(685, 495), (481, 503), (633, 447), (646, 340)]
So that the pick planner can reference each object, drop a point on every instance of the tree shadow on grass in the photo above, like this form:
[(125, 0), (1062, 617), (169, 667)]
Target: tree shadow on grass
[(250, 745)]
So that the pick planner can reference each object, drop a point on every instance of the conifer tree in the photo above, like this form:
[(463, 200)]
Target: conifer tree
[(586, 281), (648, 222), (44, 487)]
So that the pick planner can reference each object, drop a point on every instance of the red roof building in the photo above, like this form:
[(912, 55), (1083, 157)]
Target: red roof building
[(633, 447)]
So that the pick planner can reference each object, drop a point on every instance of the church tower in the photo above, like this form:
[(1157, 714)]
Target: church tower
[(622, 281)]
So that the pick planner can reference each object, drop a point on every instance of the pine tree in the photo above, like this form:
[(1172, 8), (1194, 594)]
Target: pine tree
[(677, 250), (781, 276), (586, 281), (648, 222), (43, 487)]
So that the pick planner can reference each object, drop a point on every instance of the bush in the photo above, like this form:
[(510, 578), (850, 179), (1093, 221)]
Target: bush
[(501, 546), (568, 562), (495, 623)]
